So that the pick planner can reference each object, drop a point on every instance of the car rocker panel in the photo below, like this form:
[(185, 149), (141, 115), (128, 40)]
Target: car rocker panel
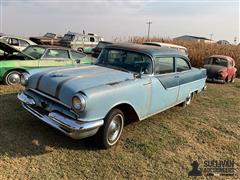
[(80, 101)]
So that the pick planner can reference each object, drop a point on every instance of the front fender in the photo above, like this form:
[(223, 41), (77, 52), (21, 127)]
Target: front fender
[(100, 100)]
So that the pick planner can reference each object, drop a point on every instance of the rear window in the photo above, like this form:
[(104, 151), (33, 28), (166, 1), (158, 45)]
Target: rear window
[(217, 61), (50, 35), (68, 37), (57, 54)]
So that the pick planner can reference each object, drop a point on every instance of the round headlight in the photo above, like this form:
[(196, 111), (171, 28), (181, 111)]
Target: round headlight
[(78, 102), (24, 79)]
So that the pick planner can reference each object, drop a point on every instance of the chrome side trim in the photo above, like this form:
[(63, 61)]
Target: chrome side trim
[(22, 97)]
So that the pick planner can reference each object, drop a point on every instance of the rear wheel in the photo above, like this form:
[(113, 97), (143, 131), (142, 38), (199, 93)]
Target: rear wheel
[(80, 49), (188, 100), (109, 134), (12, 78)]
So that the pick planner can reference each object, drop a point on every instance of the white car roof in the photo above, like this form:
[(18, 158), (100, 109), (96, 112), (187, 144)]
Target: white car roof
[(166, 45)]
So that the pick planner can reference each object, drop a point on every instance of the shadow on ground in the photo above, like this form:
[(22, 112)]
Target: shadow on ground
[(22, 134)]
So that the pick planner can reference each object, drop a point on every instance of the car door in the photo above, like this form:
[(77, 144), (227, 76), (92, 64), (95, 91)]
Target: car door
[(186, 78), (79, 58), (165, 84), (55, 57)]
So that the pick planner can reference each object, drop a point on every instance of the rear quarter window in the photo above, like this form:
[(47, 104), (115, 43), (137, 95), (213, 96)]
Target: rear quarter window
[(164, 65)]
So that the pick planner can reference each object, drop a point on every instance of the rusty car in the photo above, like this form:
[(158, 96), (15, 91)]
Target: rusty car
[(220, 68), (128, 82), (47, 39)]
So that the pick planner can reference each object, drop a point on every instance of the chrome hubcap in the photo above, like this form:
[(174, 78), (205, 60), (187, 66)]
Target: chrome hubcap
[(14, 78), (189, 99), (115, 129)]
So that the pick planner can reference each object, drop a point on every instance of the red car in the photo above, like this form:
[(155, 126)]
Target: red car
[(220, 68)]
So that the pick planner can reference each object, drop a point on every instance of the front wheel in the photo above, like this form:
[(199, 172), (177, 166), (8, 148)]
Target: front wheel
[(12, 78), (233, 79), (110, 132)]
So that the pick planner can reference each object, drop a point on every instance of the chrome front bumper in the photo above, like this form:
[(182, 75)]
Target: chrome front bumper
[(215, 80), (76, 129)]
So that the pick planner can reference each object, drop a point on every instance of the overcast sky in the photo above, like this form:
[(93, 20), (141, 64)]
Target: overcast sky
[(121, 19)]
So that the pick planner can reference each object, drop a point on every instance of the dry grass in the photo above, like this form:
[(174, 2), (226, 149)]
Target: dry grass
[(199, 51), (161, 147)]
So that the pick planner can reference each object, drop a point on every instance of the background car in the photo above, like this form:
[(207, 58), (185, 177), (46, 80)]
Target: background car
[(80, 42), (13, 62), (220, 68), (181, 49), (17, 42), (97, 50), (47, 39)]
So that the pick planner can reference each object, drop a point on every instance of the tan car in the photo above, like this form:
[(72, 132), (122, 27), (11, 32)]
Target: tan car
[(80, 42), (181, 49), (17, 42)]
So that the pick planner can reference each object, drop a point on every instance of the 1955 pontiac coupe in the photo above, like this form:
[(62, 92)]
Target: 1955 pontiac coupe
[(128, 82)]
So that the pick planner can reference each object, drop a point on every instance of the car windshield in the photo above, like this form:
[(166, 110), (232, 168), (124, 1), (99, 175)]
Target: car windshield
[(68, 37), (50, 35), (125, 61), (217, 61), (34, 51)]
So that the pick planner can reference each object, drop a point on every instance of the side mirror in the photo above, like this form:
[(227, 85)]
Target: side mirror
[(78, 61)]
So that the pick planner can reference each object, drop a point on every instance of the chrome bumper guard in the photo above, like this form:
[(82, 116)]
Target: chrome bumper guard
[(76, 129)]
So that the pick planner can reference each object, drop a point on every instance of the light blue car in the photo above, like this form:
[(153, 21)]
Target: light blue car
[(129, 82)]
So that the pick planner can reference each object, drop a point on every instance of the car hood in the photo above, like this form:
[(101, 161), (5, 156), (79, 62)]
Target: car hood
[(10, 50), (63, 83)]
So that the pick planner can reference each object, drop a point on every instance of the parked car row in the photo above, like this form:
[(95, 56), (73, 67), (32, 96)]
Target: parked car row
[(80, 42)]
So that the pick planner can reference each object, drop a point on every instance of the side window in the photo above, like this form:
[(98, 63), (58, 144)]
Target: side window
[(181, 65), (14, 42), (92, 39), (231, 63), (56, 54), (80, 38), (23, 43), (5, 39), (77, 55), (114, 56), (164, 65)]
